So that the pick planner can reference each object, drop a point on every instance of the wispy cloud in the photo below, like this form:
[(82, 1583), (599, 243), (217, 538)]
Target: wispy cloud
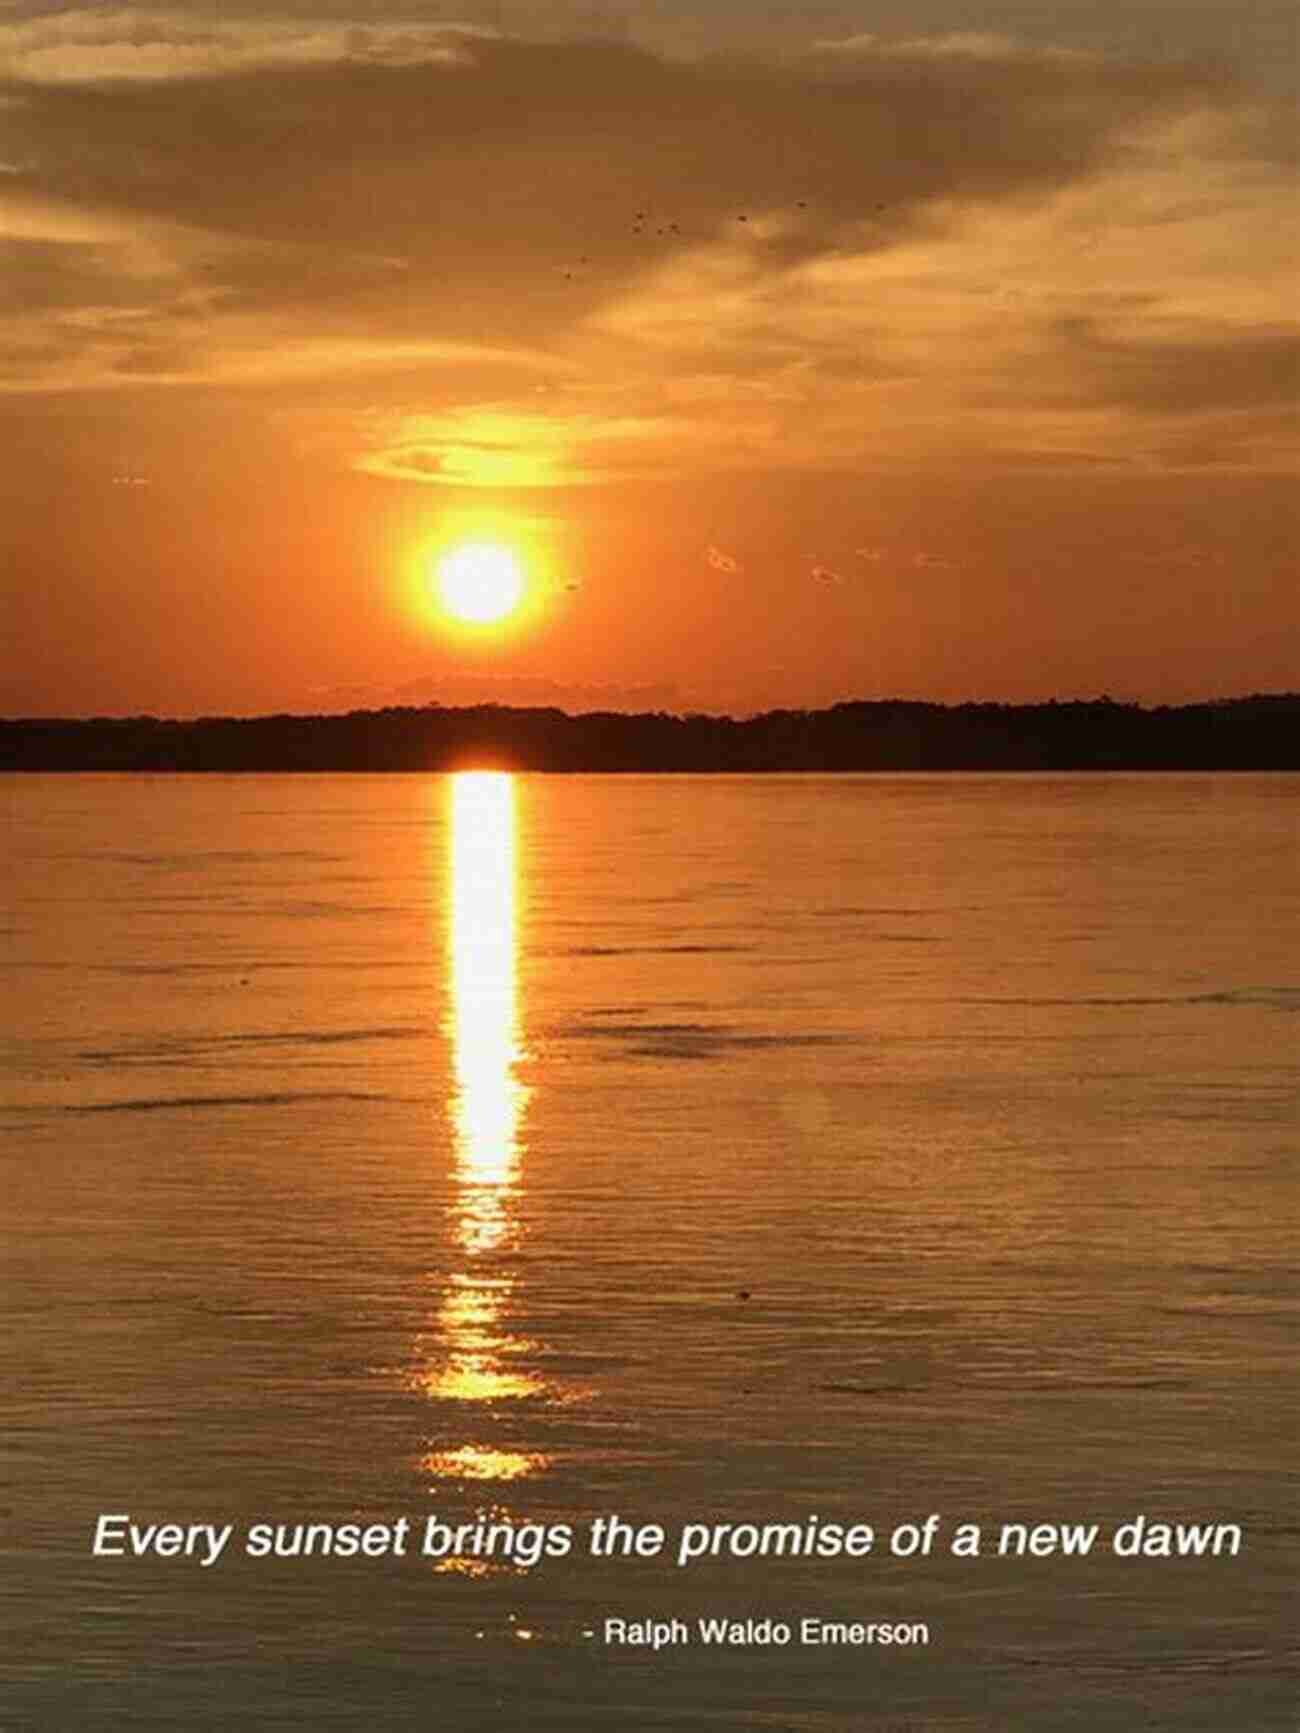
[(498, 445), (102, 45), (989, 46)]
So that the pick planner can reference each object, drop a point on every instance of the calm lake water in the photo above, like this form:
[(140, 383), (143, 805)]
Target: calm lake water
[(721, 1149)]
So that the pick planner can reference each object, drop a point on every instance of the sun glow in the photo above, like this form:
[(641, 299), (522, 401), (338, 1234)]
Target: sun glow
[(484, 577), (479, 583)]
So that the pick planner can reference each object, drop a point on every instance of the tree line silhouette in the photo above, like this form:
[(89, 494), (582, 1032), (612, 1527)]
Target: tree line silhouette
[(1259, 732)]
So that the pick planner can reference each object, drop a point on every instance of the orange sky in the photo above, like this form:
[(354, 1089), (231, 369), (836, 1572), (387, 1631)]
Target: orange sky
[(796, 360)]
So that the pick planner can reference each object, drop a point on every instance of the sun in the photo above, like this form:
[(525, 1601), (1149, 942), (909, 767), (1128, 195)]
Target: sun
[(479, 583)]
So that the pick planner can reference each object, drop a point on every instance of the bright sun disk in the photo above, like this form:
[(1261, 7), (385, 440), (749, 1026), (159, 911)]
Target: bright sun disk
[(479, 582)]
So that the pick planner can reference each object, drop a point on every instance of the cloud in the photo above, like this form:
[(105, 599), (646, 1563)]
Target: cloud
[(497, 445), (93, 299), (103, 46), (965, 252), (1186, 365), (932, 563), (988, 46), (1104, 321)]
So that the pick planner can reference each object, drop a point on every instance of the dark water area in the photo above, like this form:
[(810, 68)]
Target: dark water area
[(525, 1150)]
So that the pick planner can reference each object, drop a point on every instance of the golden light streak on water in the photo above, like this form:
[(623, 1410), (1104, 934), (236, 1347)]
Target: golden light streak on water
[(485, 1003), (488, 1106), (479, 1462)]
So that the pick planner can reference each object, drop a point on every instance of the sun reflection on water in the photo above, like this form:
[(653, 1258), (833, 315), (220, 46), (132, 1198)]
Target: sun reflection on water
[(488, 1105), (478, 1462), (485, 1002)]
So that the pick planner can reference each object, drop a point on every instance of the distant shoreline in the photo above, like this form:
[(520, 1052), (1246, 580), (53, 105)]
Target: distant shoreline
[(1259, 732)]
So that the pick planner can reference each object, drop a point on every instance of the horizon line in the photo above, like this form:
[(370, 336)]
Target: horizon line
[(1103, 700)]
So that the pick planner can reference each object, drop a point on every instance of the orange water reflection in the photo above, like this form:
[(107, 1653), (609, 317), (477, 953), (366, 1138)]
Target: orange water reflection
[(480, 1352), (481, 1462)]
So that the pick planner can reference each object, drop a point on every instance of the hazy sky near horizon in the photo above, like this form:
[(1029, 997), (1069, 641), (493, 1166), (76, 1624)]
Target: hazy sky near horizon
[(934, 350)]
